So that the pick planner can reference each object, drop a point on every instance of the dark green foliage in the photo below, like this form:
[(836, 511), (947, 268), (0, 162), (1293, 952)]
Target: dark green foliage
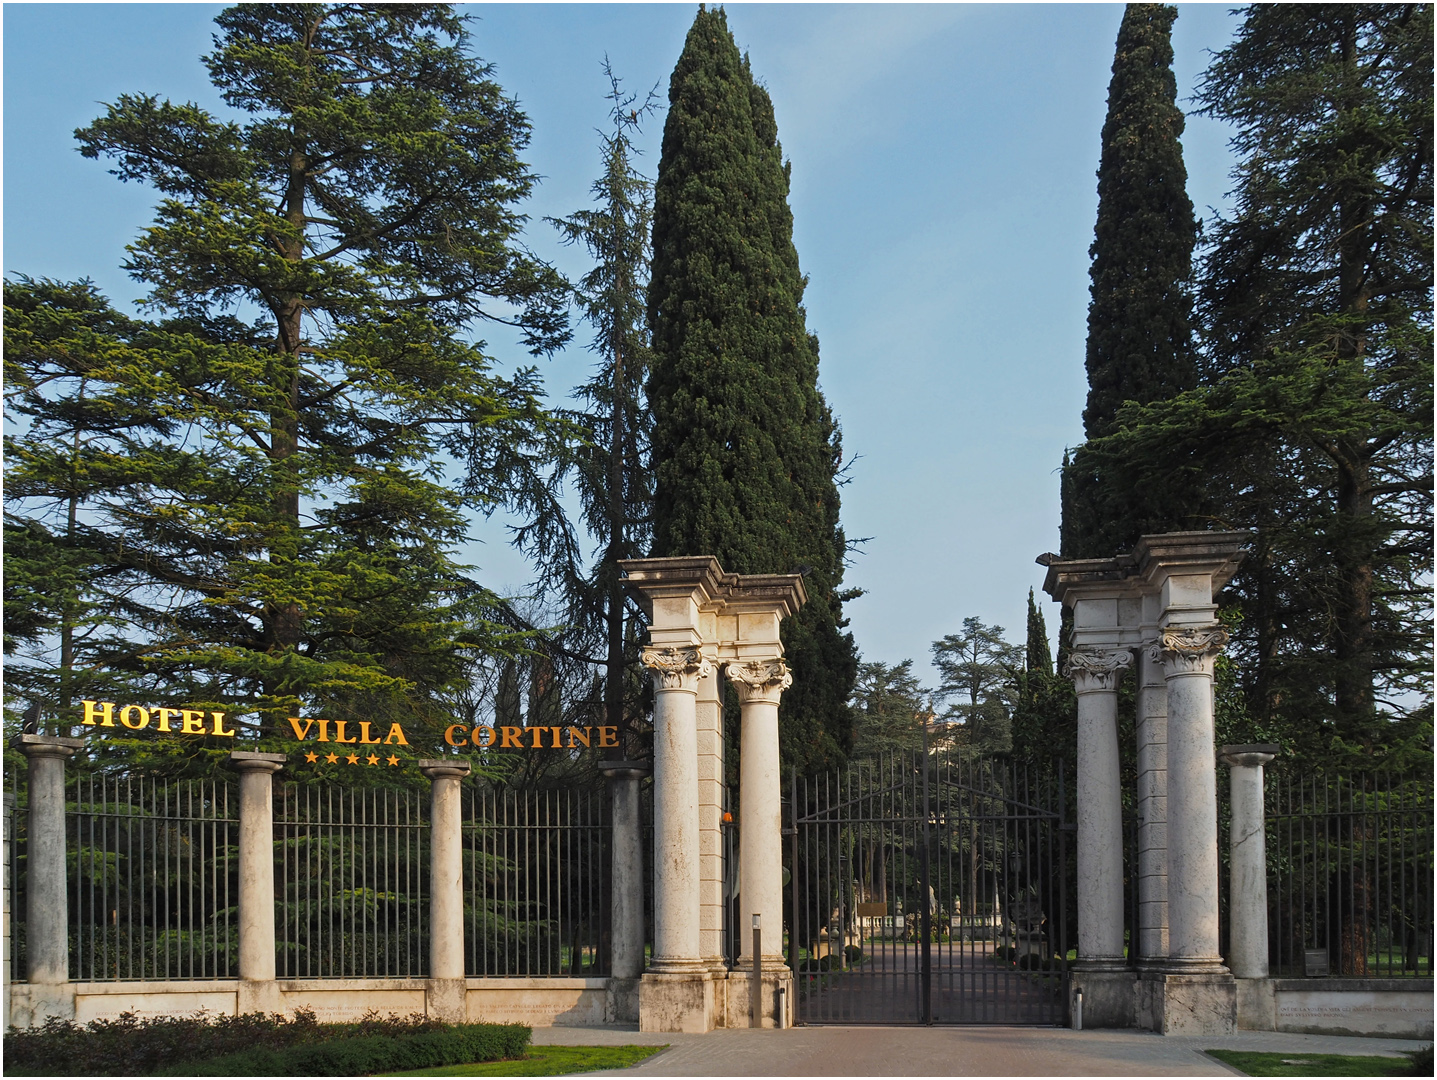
[(254, 1044), (1313, 426), (887, 704), (1045, 708), (364, 1055), (746, 453), (1139, 320), (608, 462), (258, 512), (978, 668)]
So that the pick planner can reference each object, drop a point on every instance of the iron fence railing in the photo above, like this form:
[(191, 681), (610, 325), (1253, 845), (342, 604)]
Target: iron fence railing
[(1350, 865), (351, 882), (536, 882), (152, 878)]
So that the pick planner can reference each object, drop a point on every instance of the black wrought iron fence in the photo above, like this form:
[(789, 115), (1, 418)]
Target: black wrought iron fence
[(1350, 865), (351, 882), (152, 877), (17, 819), (536, 882)]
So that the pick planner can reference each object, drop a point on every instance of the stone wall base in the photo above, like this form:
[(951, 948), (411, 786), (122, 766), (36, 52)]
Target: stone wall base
[(1382, 1008), (559, 1002), (1186, 1004), (678, 1002), (1107, 998)]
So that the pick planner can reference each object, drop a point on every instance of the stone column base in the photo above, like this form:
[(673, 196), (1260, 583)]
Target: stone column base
[(31, 1004), (621, 1001), (1187, 1004), (680, 1001), (258, 996), (1256, 1005), (1108, 996), (774, 979), (447, 1000)]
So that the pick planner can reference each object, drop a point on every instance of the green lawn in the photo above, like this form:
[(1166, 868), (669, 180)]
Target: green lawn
[(1255, 1064), (550, 1061)]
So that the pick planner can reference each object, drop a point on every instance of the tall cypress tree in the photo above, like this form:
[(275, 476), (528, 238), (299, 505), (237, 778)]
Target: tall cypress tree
[(745, 450), (1139, 319)]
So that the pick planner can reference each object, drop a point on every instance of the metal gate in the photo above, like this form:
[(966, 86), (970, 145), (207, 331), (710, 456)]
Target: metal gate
[(928, 889)]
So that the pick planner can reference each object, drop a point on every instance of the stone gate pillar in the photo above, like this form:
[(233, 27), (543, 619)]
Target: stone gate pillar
[(1191, 991), (626, 905), (258, 991), (445, 996), (1247, 895), (47, 913)]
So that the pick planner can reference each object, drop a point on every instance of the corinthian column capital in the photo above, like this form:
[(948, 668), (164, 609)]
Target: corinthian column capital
[(676, 669), (760, 680), (1096, 669), (1191, 650)]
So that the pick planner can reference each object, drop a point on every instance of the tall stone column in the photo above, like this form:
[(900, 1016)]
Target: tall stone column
[(445, 994), (1095, 674), (258, 991), (1187, 653), (626, 883), (760, 685), (47, 913), (1247, 896), (676, 994)]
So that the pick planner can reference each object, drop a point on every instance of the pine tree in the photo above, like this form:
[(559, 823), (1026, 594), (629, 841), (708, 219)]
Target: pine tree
[(1313, 425), (745, 450), (277, 505), (608, 461), (1139, 319)]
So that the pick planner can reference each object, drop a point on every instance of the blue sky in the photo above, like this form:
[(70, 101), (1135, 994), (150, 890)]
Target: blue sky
[(943, 197)]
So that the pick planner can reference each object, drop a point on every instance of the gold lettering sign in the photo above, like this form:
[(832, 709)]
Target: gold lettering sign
[(103, 714)]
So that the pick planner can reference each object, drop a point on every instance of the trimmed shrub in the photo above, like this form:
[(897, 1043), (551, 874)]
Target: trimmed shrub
[(364, 1054), (130, 1046)]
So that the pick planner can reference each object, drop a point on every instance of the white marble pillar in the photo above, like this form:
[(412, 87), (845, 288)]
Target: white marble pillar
[(1187, 654), (760, 684), (1247, 896), (258, 991), (1095, 673), (676, 819), (445, 995)]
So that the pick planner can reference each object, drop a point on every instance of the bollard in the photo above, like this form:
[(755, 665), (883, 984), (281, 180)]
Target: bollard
[(755, 991), (782, 1018), (1078, 1011)]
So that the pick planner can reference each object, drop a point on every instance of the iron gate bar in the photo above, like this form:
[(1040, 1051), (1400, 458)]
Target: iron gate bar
[(970, 832)]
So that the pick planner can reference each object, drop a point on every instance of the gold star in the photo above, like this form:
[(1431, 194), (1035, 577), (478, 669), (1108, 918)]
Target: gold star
[(311, 757), (373, 760), (393, 760), (331, 758), (353, 759)]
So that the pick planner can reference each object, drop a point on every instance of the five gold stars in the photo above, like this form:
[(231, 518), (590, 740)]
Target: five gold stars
[(313, 757)]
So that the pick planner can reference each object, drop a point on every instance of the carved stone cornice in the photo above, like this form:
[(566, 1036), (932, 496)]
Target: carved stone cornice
[(676, 669), (760, 680), (1191, 650), (1095, 670)]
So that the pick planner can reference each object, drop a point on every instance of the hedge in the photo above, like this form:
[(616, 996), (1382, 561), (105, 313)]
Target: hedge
[(370, 1054)]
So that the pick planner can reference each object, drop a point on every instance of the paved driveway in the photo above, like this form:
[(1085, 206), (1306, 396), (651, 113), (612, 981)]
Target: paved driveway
[(953, 1051)]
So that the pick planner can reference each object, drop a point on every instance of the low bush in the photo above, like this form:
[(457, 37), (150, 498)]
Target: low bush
[(130, 1046), (852, 953), (364, 1054)]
